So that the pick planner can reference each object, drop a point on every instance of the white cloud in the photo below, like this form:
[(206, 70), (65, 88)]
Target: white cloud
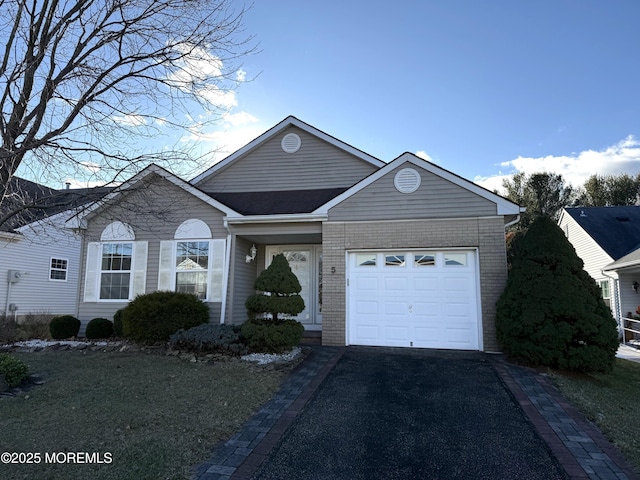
[(241, 75), (424, 155), (240, 118), (623, 157)]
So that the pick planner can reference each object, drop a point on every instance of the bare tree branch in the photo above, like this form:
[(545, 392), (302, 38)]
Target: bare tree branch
[(81, 81)]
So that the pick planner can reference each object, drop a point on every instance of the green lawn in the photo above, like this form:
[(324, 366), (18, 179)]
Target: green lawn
[(611, 401), (156, 416)]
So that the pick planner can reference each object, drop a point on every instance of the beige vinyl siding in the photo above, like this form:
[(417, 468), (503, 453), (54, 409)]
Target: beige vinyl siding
[(172, 206), (316, 164), (593, 256), (435, 198), (241, 284)]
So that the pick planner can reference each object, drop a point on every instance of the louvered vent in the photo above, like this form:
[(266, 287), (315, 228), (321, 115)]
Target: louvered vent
[(407, 180), (291, 143)]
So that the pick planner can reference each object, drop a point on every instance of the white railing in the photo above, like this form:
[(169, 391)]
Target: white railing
[(631, 329)]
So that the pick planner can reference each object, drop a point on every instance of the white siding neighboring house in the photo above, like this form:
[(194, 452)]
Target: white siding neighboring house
[(607, 240), (43, 258)]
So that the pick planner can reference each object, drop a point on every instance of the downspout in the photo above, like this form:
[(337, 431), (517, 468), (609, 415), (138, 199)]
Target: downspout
[(6, 305)]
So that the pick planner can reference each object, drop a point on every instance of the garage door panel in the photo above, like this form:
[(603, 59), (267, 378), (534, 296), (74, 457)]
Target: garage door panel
[(414, 305)]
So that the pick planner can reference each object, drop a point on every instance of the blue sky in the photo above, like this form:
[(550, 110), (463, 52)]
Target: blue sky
[(483, 88)]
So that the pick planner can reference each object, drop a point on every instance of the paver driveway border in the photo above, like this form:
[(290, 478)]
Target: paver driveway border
[(577, 444)]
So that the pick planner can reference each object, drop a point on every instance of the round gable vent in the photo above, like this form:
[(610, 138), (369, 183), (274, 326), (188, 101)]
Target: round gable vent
[(407, 180), (291, 143)]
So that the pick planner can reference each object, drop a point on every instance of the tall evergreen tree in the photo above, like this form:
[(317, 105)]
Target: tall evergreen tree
[(551, 312)]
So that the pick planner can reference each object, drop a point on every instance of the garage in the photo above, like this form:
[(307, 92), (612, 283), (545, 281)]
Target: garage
[(419, 299)]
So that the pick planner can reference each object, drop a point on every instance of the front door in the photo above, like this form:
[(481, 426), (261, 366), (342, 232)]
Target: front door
[(306, 263)]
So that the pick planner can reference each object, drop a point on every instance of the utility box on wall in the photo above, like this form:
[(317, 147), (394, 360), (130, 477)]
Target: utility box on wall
[(14, 276)]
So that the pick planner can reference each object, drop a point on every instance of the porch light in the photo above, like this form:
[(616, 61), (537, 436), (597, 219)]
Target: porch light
[(252, 254), (635, 286)]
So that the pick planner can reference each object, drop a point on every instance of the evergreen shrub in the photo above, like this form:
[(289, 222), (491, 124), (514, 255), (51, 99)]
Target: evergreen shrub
[(154, 317), (209, 337), (551, 312), (99, 328), (263, 335), (117, 323), (13, 370), (64, 326)]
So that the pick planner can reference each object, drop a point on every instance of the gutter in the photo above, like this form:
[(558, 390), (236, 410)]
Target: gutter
[(284, 218)]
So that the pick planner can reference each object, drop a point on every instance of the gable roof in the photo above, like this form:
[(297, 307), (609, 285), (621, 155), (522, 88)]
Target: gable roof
[(33, 202), (615, 229), (78, 221), (504, 206), (287, 122)]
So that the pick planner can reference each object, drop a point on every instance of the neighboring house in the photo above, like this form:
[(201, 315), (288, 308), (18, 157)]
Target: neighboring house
[(39, 257), (607, 240), (402, 254)]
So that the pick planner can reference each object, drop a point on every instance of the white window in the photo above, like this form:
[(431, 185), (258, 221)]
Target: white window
[(424, 260), (604, 289), (115, 271), (193, 262), (192, 268), (394, 260), (116, 267), (366, 259), (455, 259), (58, 269)]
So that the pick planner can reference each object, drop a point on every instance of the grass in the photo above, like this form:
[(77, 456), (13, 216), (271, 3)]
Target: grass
[(611, 402), (157, 416)]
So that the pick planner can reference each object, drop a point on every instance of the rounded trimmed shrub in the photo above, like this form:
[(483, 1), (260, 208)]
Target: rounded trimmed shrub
[(263, 335), (99, 328), (64, 326), (117, 323), (13, 370), (155, 316), (551, 312)]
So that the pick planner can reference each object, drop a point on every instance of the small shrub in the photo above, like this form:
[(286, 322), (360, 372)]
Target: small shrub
[(99, 328), (210, 338), (13, 370), (263, 335), (117, 323), (155, 316), (64, 326)]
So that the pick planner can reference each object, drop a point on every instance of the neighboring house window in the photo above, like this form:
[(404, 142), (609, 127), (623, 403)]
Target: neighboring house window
[(116, 268), (58, 269), (192, 268), (604, 290), (193, 262), (115, 271)]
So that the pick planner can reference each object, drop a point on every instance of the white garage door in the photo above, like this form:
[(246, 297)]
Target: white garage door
[(413, 299)]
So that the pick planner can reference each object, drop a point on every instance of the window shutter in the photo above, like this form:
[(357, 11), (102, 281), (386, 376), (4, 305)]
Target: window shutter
[(217, 270), (165, 270), (92, 272), (139, 268)]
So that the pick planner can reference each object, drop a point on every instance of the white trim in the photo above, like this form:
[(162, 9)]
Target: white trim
[(504, 206), (65, 270), (79, 220), (117, 232), (11, 237), (288, 217), (225, 278), (191, 229), (287, 122), (571, 219)]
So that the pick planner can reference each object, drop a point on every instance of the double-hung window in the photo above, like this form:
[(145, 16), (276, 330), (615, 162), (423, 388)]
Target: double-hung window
[(192, 267), (115, 271), (58, 269)]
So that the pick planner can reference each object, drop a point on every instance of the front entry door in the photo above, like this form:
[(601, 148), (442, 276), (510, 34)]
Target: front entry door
[(305, 263)]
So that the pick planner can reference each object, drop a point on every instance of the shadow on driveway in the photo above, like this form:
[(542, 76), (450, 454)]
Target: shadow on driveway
[(404, 414)]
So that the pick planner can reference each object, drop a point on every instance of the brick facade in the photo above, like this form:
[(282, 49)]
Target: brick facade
[(484, 233)]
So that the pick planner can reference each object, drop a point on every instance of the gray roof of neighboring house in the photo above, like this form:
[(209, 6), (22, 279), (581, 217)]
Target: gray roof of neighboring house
[(277, 202), (615, 229), (31, 201)]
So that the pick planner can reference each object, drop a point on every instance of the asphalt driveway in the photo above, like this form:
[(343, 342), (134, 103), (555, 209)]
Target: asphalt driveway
[(404, 414)]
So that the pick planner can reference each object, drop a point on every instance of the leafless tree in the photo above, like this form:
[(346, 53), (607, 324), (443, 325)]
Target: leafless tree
[(81, 81)]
